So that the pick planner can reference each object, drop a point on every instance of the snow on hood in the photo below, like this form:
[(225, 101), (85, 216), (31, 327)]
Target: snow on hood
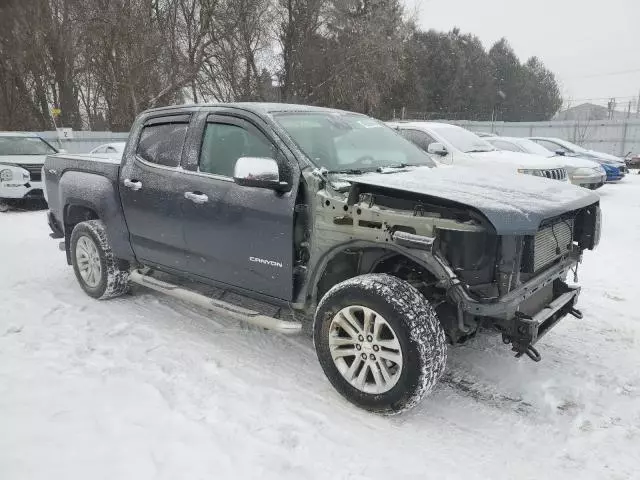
[(517, 160), (513, 203), (23, 159), (577, 162)]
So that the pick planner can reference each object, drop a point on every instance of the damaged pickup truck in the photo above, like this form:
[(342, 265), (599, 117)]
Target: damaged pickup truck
[(286, 215)]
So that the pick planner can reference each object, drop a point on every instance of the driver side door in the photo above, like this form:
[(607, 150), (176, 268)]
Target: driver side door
[(237, 235)]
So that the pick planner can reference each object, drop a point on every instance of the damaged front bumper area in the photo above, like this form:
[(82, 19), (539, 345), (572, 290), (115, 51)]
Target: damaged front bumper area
[(530, 310)]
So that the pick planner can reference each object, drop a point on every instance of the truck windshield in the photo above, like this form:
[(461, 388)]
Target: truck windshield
[(25, 146), (343, 142)]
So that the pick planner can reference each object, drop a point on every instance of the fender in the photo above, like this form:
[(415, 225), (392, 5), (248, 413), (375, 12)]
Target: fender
[(99, 194)]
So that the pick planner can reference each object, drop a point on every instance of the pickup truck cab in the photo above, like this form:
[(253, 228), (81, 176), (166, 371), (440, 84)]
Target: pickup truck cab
[(22, 156), (284, 216)]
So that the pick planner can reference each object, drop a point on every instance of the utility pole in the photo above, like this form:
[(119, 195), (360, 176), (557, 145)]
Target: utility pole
[(638, 106), (611, 106), (629, 110)]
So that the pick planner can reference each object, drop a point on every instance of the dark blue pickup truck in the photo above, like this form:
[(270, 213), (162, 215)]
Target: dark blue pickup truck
[(286, 215)]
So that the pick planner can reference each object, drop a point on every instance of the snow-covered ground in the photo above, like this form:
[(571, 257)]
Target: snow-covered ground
[(144, 387)]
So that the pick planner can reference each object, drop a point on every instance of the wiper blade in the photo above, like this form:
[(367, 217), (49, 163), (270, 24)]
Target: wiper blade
[(397, 165), (348, 171), (478, 151)]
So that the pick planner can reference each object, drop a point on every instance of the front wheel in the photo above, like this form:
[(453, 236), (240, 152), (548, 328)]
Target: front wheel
[(99, 274), (380, 343)]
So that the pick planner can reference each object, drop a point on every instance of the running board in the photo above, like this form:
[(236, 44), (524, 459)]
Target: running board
[(217, 306)]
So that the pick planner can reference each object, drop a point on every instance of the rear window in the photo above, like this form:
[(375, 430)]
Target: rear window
[(162, 143), (25, 146)]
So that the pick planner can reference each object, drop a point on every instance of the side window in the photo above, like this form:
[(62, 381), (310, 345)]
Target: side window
[(162, 143), (502, 145), (223, 144), (421, 139)]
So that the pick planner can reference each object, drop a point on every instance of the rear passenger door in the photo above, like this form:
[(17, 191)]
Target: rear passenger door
[(151, 198), (240, 236)]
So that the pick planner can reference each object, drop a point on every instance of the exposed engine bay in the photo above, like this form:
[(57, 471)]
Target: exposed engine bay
[(453, 255)]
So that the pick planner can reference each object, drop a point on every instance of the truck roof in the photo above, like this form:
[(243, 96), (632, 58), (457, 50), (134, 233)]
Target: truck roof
[(256, 107)]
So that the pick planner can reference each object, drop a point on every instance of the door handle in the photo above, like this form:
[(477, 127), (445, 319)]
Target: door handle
[(195, 197), (132, 184)]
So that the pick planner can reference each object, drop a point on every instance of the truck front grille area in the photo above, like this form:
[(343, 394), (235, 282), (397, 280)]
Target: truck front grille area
[(555, 173), (35, 171), (550, 243)]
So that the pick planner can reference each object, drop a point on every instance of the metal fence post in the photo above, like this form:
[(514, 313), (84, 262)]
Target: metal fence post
[(624, 139)]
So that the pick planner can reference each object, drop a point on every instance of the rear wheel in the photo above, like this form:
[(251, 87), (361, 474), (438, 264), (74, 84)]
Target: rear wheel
[(379, 342), (99, 274)]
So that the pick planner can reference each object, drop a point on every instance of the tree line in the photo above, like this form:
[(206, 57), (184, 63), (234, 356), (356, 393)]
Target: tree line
[(101, 62)]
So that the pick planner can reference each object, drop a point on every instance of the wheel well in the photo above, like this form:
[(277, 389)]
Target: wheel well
[(73, 215), (353, 262)]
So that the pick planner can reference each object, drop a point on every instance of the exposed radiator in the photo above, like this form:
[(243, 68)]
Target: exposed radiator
[(551, 242)]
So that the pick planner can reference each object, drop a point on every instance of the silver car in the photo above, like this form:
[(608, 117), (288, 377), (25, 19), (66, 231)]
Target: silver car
[(584, 173)]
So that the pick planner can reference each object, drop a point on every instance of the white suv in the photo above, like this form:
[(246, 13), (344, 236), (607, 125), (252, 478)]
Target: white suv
[(454, 145), (22, 156)]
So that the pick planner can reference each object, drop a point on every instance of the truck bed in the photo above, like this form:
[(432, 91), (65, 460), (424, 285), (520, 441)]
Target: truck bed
[(99, 164)]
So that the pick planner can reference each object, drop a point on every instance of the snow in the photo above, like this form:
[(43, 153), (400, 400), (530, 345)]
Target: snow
[(143, 387), (512, 203)]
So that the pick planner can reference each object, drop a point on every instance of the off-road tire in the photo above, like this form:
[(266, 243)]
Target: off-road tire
[(415, 324), (114, 278)]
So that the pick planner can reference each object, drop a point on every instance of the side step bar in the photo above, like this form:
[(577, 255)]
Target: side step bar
[(217, 306)]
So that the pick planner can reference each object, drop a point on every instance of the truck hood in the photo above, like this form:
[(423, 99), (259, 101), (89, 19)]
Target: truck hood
[(516, 160), (515, 204), (23, 159)]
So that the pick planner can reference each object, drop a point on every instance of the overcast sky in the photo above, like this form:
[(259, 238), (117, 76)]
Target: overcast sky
[(582, 41)]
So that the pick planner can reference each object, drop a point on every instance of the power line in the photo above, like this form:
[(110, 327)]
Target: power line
[(607, 74)]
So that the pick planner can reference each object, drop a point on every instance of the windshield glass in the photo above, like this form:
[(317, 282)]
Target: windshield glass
[(24, 146), (463, 140), (572, 146), (532, 147), (346, 141)]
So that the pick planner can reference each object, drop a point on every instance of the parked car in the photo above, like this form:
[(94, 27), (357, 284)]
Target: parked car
[(584, 173), (633, 161), (297, 213), (113, 149), (454, 145), (614, 166), (21, 158)]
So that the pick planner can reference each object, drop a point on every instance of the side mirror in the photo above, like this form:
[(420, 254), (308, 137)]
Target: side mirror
[(259, 172), (437, 149), (560, 153)]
